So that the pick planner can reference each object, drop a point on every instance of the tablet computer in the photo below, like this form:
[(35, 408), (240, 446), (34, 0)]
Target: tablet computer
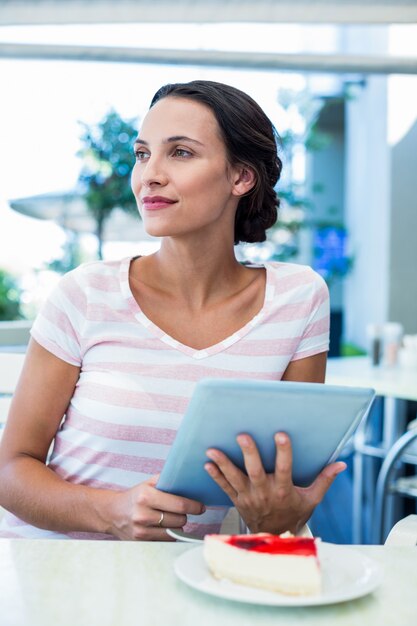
[(319, 419)]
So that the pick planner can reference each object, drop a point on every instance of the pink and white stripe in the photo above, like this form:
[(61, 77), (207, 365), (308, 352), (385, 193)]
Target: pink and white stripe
[(136, 381)]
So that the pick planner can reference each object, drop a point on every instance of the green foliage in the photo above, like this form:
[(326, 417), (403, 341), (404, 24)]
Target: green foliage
[(108, 159), (71, 257), (349, 349), (303, 133), (9, 297), (300, 114), (301, 105)]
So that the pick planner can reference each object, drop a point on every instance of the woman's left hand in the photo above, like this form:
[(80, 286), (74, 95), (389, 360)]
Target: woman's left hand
[(269, 502)]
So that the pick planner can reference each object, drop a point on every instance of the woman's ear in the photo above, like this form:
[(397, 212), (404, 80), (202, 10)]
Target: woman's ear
[(244, 180)]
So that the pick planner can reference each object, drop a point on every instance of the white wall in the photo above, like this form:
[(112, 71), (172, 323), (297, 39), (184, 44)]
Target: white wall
[(403, 227), (381, 206), (367, 204)]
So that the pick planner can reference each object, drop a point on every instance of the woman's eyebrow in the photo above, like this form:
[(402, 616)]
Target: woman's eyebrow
[(170, 140)]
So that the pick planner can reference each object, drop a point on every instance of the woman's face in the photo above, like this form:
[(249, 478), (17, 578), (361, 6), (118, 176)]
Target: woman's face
[(182, 180)]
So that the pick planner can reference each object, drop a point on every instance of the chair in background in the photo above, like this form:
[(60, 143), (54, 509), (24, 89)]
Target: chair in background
[(15, 335), (404, 533), (233, 524), (388, 485)]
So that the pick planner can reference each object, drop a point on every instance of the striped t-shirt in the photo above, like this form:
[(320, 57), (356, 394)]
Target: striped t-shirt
[(136, 381)]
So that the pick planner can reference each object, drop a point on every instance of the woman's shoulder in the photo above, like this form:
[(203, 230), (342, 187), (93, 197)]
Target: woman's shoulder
[(300, 285), (93, 272), (296, 282), (303, 273), (92, 280)]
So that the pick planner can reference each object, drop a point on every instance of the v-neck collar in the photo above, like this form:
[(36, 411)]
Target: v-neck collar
[(174, 343)]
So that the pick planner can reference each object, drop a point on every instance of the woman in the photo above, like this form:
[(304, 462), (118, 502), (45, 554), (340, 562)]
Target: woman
[(118, 347)]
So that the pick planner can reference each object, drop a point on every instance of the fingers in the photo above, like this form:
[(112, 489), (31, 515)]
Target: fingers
[(155, 511), (229, 477), (218, 477), (283, 460), (163, 519), (324, 480), (153, 480), (234, 477), (252, 460), (143, 512), (156, 499), (168, 502), (146, 517)]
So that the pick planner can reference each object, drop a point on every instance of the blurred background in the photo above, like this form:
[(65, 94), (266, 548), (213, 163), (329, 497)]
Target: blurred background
[(338, 79)]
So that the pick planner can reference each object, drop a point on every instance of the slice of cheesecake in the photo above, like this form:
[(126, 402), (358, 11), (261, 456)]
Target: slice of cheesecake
[(281, 563)]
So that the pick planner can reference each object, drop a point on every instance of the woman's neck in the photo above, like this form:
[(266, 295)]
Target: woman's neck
[(196, 274)]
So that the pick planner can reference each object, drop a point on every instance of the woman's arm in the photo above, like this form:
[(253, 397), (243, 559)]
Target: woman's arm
[(271, 502), (309, 370), (33, 492)]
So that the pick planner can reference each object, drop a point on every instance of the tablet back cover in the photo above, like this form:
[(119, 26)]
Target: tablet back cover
[(318, 418)]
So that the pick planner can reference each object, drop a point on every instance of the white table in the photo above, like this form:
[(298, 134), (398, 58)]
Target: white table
[(101, 583), (396, 382), (397, 385)]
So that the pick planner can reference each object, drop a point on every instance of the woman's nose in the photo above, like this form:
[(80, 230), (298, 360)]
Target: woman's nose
[(153, 172)]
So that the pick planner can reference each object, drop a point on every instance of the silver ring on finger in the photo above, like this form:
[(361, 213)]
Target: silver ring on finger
[(161, 519)]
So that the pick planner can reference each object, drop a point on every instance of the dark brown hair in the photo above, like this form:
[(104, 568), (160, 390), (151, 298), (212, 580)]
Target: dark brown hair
[(250, 139)]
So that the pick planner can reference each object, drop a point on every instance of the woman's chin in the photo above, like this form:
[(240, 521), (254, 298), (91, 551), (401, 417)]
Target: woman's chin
[(162, 230), (155, 231)]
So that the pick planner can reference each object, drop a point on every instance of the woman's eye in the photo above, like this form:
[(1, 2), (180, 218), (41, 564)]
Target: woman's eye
[(140, 155), (181, 152)]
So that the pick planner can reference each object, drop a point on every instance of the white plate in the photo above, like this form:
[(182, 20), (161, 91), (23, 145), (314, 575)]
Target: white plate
[(180, 535), (347, 574)]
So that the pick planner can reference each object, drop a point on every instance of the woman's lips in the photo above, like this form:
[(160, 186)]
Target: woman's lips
[(158, 202)]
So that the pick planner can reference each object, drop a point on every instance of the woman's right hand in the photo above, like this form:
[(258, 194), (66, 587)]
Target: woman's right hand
[(136, 513)]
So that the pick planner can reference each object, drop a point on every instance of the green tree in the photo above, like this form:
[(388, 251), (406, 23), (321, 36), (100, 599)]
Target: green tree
[(108, 159), (303, 134), (9, 297), (302, 111), (71, 256)]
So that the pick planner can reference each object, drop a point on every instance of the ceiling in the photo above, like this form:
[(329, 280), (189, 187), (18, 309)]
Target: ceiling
[(333, 63), (284, 11), (47, 12)]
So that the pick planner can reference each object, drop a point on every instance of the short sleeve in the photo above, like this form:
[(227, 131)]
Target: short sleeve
[(316, 333), (58, 326)]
